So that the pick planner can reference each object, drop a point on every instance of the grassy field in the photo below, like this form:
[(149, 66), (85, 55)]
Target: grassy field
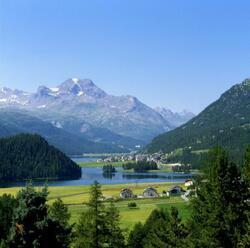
[(129, 217), (100, 164), (76, 198)]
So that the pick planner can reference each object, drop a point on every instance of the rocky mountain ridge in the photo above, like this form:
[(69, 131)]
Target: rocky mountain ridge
[(82, 100)]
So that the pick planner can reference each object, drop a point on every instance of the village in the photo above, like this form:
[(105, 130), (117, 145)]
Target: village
[(183, 191), (156, 157), (151, 192)]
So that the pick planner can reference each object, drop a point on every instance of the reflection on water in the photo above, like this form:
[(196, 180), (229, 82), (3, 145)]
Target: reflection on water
[(108, 175), (90, 174)]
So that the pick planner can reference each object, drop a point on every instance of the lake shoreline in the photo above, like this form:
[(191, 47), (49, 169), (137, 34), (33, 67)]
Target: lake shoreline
[(91, 171)]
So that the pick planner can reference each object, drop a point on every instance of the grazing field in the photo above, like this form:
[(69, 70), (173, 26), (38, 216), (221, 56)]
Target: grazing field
[(76, 198), (130, 216)]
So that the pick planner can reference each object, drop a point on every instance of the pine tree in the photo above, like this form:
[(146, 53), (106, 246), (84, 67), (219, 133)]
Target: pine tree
[(83, 233), (98, 227), (245, 241), (115, 238), (162, 229), (220, 209), (32, 227), (246, 166), (179, 232), (7, 206), (60, 212), (98, 214), (136, 236)]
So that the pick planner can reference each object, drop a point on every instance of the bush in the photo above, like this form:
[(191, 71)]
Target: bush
[(132, 205)]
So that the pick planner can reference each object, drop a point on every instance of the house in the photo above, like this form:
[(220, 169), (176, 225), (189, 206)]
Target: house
[(176, 190), (150, 192), (109, 159), (188, 183), (126, 193), (141, 158)]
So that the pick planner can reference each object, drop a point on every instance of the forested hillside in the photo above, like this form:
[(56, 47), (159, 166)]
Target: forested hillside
[(27, 156), (225, 122)]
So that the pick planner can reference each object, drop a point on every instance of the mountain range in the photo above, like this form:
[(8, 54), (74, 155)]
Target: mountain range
[(80, 109), (226, 122)]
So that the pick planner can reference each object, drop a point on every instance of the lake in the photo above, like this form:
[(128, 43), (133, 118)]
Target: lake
[(90, 174)]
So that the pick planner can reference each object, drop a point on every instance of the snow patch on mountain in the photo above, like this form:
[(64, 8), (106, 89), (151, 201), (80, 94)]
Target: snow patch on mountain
[(54, 89), (75, 80), (80, 93), (41, 106)]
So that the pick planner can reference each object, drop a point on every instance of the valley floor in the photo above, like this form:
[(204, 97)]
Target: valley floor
[(76, 198)]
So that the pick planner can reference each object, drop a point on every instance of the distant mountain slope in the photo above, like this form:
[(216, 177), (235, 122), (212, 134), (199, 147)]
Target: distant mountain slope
[(80, 128), (124, 115), (175, 118), (27, 156), (225, 122), (14, 122)]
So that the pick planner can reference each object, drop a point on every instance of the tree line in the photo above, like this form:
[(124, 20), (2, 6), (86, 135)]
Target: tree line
[(219, 216), (140, 166)]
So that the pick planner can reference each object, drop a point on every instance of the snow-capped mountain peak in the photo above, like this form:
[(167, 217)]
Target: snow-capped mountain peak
[(75, 80), (71, 88), (81, 87), (82, 99)]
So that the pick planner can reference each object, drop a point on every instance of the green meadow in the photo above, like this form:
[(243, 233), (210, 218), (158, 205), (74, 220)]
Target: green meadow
[(100, 164), (76, 198)]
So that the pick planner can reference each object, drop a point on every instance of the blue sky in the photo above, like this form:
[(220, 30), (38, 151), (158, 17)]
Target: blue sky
[(178, 54)]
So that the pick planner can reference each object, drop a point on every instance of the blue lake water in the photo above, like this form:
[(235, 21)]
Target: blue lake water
[(91, 174)]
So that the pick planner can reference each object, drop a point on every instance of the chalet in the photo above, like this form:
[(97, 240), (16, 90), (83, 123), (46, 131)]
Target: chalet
[(176, 190), (150, 192), (126, 193), (188, 183)]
